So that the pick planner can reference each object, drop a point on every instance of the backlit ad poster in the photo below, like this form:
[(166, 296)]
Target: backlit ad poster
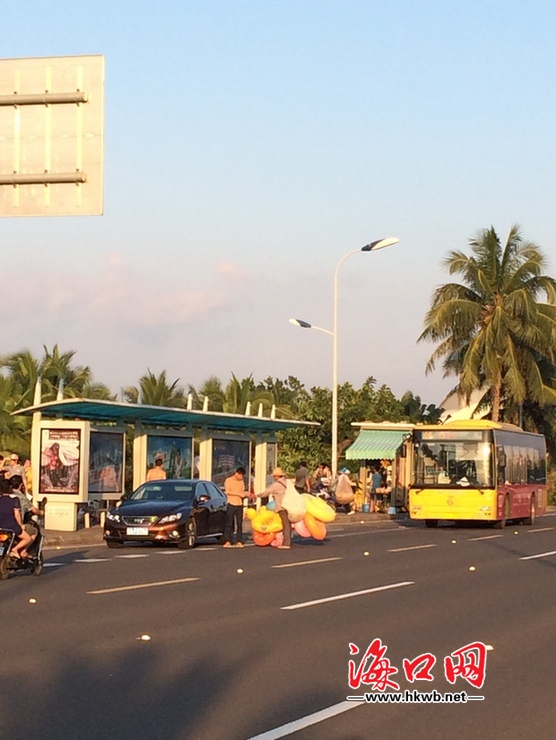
[(60, 458), (173, 452), (106, 458), (227, 455)]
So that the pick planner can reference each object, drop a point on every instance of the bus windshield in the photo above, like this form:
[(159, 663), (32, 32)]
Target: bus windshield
[(457, 463)]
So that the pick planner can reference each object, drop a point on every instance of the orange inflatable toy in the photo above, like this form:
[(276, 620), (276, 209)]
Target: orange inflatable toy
[(317, 529)]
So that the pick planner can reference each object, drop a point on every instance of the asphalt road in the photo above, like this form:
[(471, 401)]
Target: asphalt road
[(233, 655)]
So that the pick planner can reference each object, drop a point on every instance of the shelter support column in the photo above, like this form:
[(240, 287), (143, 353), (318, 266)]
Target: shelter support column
[(139, 455), (205, 455)]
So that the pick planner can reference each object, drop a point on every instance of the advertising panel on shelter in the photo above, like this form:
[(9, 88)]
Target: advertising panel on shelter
[(106, 462), (175, 453), (227, 455), (60, 460)]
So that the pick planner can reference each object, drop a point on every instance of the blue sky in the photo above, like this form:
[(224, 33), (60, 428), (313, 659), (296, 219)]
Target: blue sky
[(248, 147)]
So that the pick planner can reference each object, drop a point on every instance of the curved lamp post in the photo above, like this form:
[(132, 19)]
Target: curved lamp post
[(372, 247)]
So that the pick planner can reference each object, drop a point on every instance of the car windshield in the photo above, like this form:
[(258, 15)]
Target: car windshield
[(164, 492)]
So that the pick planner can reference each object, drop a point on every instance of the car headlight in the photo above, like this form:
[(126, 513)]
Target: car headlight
[(169, 518), (113, 517)]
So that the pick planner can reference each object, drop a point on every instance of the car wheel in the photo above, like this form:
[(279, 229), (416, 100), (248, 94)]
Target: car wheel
[(188, 541), (37, 569), (431, 523), (532, 512), (113, 544), (4, 572)]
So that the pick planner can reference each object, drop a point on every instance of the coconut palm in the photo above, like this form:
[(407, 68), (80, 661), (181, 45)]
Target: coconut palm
[(494, 332), (154, 391)]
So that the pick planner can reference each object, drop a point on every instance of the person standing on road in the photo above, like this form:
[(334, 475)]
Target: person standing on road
[(277, 489), (234, 488), (302, 478)]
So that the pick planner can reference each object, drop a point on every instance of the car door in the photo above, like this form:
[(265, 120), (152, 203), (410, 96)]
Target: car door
[(202, 509), (218, 506)]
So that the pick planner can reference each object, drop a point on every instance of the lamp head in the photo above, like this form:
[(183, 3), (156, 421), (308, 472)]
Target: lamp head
[(301, 323), (380, 244)]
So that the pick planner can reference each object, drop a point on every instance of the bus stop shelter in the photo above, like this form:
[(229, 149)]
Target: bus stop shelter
[(78, 449)]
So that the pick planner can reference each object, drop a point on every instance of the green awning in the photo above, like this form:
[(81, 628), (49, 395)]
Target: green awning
[(376, 444)]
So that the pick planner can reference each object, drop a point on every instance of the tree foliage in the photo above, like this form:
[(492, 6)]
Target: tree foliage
[(494, 333)]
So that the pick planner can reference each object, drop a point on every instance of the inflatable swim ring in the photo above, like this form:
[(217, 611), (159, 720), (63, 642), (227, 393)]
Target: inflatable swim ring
[(318, 508), (263, 539), (266, 521), (301, 528), (317, 529)]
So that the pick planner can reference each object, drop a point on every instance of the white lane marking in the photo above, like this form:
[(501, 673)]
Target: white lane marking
[(303, 604), (91, 560), (142, 585), (132, 556), (543, 529), (334, 536), (171, 552), (305, 562), (52, 565), (540, 555), (83, 546), (415, 547), (310, 719), (486, 537)]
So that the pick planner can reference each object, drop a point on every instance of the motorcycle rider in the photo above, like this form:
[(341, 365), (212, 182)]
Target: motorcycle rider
[(18, 489), (10, 518)]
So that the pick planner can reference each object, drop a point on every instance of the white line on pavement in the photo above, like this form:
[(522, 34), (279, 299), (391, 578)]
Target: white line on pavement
[(142, 585), (540, 555), (366, 532), (542, 529), (311, 719), (415, 547), (486, 537), (91, 560), (132, 556), (305, 562), (52, 565), (303, 604)]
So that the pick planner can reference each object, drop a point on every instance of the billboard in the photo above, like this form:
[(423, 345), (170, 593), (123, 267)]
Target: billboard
[(60, 461), (52, 136)]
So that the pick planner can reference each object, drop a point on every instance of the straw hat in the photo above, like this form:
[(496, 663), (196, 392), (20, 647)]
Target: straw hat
[(277, 473)]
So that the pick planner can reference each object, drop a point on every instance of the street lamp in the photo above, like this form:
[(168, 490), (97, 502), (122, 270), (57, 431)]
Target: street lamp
[(372, 247)]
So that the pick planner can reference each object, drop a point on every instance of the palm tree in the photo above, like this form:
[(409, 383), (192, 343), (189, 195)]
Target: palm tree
[(494, 333), (154, 391)]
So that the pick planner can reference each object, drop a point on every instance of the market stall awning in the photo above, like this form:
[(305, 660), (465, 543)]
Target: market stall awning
[(376, 444)]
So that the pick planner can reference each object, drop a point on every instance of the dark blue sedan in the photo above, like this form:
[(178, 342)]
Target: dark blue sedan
[(179, 511)]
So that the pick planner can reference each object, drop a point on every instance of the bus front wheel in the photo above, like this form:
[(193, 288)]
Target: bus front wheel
[(431, 522), (532, 512)]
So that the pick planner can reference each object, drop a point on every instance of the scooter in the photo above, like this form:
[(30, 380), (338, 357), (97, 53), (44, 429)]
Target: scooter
[(33, 563)]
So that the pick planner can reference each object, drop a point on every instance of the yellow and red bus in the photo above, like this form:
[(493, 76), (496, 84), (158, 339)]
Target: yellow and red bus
[(477, 471)]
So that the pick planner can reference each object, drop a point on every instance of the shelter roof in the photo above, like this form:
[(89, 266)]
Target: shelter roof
[(127, 413)]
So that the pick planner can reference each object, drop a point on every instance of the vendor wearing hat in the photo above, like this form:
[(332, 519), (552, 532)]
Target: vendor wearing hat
[(277, 489)]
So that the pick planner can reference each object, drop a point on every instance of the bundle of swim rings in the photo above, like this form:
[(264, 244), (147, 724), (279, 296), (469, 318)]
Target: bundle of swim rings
[(266, 524)]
